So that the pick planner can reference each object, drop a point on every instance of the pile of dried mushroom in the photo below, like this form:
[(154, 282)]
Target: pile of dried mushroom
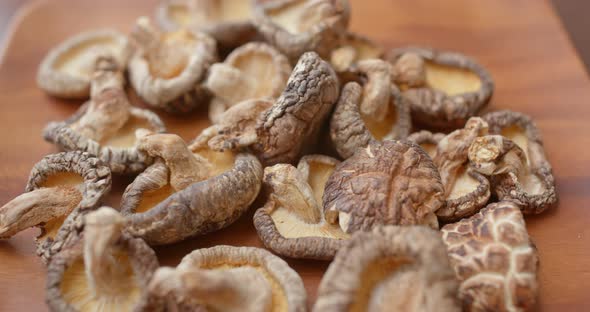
[(419, 202)]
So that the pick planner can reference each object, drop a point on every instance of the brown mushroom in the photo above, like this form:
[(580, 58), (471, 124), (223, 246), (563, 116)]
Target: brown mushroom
[(253, 71), (229, 22), (390, 269), (227, 278), (189, 190), (493, 259), (466, 190), (534, 189), (292, 222), (67, 69), (167, 68), (427, 140), (352, 49), (106, 125), (443, 88), (61, 189), (374, 111), (386, 183), (292, 123), (106, 270), (298, 26)]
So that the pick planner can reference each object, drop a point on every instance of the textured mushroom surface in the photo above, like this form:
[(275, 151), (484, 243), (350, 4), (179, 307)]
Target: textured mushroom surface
[(106, 125), (292, 222), (427, 140), (352, 49), (373, 110), (189, 190), (466, 190), (229, 22), (298, 26), (390, 268), (67, 69), (167, 67), (106, 270), (443, 88), (387, 183), (227, 278), (493, 259), (61, 189), (534, 188), (252, 71)]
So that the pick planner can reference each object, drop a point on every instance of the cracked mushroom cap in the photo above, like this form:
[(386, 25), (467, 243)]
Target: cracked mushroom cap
[(292, 222), (352, 49), (466, 189), (167, 67), (105, 270), (298, 26), (387, 183), (443, 88), (61, 189), (229, 22), (227, 278), (253, 71), (105, 126), (189, 190), (390, 268), (427, 140), (67, 69), (493, 259), (534, 191), (371, 111)]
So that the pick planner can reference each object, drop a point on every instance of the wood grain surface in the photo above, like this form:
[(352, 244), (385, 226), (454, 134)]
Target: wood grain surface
[(521, 42)]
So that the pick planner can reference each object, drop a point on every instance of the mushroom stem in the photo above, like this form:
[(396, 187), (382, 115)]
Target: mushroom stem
[(495, 154), (237, 289), (377, 90), (37, 207), (102, 230), (343, 57)]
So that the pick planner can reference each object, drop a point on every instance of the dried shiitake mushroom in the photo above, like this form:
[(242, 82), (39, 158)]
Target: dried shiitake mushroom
[(292, 123), (292, 222), (444, 88), (227, 278), (352, 49), (374, 111), (229, 22), (189, 190), (385, 183), (105, 270), (106, 125), (427, 140), (67, 69), (466, 190), (253, 71), (493, 259), (297, 26), (61, 189), (533, 187), (167, 67), (391, 268)]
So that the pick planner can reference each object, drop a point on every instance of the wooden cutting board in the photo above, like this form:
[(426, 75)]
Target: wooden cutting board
[(522, 43)]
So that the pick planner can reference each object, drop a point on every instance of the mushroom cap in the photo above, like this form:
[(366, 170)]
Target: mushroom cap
[(494, 259), (229, 31), (181, 93), (294, 121), (200, 208), (122, 160), (305, 246), (427, 140), (73, 84), (521, 129), (349, 130), (390, 268), (293, 36), (437, 109), (386, 183), (288, 290)]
